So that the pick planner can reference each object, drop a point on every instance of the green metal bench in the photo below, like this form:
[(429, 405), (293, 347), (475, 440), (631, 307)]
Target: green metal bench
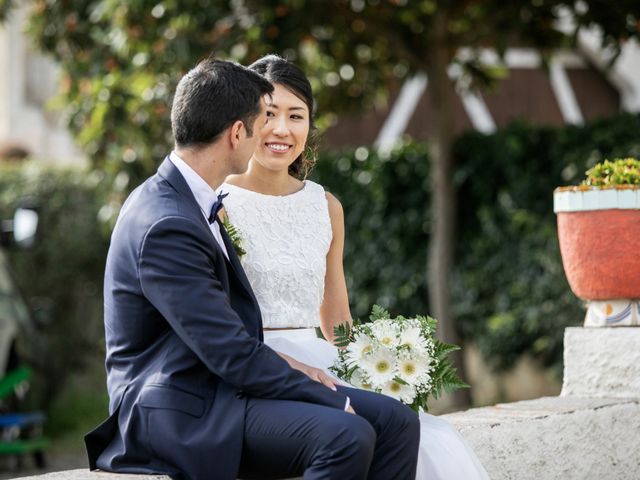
[(21, 433)]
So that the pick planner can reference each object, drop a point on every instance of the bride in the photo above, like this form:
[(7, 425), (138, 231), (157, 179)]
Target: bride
[(293, 235)]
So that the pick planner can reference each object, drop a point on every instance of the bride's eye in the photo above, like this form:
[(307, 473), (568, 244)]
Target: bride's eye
[(270, 113)]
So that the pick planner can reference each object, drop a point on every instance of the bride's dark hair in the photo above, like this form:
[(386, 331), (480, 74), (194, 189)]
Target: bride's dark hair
[(282, 72)]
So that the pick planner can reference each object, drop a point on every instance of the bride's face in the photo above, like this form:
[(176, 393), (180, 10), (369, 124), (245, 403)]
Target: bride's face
[(283, 136)]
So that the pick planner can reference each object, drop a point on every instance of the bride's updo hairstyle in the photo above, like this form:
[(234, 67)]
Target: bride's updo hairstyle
[(282, 72)]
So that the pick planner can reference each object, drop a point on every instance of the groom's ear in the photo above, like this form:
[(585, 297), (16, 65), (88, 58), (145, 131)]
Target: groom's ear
[(235, 133)]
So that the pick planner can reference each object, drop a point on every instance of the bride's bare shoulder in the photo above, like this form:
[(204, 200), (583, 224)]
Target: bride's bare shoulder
[(335, 207)]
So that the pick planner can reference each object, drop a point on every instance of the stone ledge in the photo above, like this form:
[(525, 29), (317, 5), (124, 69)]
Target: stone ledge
[(505, 413), (86, 474), (555, 437)]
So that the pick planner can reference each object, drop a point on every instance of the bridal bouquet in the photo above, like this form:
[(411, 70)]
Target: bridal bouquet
[(397, 356)]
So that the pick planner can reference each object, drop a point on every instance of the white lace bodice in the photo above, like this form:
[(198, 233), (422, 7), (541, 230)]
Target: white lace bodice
[(286, 239)]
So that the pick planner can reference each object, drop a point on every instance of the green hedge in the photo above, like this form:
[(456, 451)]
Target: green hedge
[(510, 292), (62, 274), (512, 295), (385, 202)]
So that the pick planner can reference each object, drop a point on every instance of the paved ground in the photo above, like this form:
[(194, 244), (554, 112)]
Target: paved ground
[(55, 462)]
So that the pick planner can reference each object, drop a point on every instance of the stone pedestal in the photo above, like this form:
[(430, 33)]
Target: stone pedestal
[(602, 362)]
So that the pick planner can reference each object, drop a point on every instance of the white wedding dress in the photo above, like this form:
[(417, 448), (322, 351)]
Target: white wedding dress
[(287, 239)]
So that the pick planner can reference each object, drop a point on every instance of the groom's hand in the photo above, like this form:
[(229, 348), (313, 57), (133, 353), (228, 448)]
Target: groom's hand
[(318, 375), (313, 373)]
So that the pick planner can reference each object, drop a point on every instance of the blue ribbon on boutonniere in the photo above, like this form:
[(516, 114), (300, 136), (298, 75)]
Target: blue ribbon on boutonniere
[(232, 231), (217, 205)]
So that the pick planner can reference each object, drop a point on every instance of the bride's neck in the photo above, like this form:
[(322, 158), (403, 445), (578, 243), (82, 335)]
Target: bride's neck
[(269, 182)]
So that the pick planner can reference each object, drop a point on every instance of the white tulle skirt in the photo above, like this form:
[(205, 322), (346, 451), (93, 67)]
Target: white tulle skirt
[(444, 454)]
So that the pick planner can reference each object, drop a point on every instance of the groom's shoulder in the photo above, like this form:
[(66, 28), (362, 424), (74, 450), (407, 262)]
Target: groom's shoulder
[(155, 193), (150, 202)]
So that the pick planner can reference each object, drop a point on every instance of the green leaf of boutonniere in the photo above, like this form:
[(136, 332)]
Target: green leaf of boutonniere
[(234, 236)]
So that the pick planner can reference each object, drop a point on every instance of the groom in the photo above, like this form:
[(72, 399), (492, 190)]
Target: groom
[(194, 393)]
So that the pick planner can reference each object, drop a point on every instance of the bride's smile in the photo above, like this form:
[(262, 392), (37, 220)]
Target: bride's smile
[(278, 147)]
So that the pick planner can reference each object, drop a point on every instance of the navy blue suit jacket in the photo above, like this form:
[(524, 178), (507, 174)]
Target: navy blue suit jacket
[(184, 343)]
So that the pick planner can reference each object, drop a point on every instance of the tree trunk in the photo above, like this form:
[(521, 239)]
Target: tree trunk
[(443, 198)]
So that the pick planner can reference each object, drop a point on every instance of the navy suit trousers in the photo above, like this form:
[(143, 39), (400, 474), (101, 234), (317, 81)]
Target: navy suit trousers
[(287, 438)]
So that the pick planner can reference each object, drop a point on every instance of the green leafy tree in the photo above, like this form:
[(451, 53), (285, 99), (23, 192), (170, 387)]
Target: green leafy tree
[(121, 60)]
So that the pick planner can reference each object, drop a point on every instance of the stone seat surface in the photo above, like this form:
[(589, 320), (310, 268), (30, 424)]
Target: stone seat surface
[(86, 474)]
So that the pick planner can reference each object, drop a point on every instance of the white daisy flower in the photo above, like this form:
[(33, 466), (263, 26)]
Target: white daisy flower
[(380, 366), (359, 349), (399, 391), (423, 357), (359, 380), (386, 332), (411, 369), (412, 337)]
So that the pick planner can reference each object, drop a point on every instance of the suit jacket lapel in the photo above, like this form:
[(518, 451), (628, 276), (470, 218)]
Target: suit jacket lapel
[(169, 171)]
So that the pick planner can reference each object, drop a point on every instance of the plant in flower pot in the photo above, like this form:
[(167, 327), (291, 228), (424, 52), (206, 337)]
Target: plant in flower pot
[(599, 234)]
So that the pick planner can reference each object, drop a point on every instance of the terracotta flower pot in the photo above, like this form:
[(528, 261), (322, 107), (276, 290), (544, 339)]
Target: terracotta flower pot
[(599, 233)]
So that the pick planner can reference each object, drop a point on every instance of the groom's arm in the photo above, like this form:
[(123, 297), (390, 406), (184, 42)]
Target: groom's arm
[(177, 275)]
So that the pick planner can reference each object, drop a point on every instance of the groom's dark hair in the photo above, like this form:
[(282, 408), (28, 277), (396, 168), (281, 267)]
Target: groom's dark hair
[(211, 97)]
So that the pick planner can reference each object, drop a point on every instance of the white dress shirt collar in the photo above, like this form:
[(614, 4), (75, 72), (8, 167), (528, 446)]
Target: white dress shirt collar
[(202, 191)]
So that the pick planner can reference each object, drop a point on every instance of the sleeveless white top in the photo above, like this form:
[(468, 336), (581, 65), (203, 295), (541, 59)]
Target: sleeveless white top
[(287, 239)]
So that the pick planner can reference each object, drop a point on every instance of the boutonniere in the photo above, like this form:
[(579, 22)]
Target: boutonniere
[(234, 236)]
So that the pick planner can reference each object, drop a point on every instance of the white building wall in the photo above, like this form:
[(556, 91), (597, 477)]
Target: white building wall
[(27, 82)]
